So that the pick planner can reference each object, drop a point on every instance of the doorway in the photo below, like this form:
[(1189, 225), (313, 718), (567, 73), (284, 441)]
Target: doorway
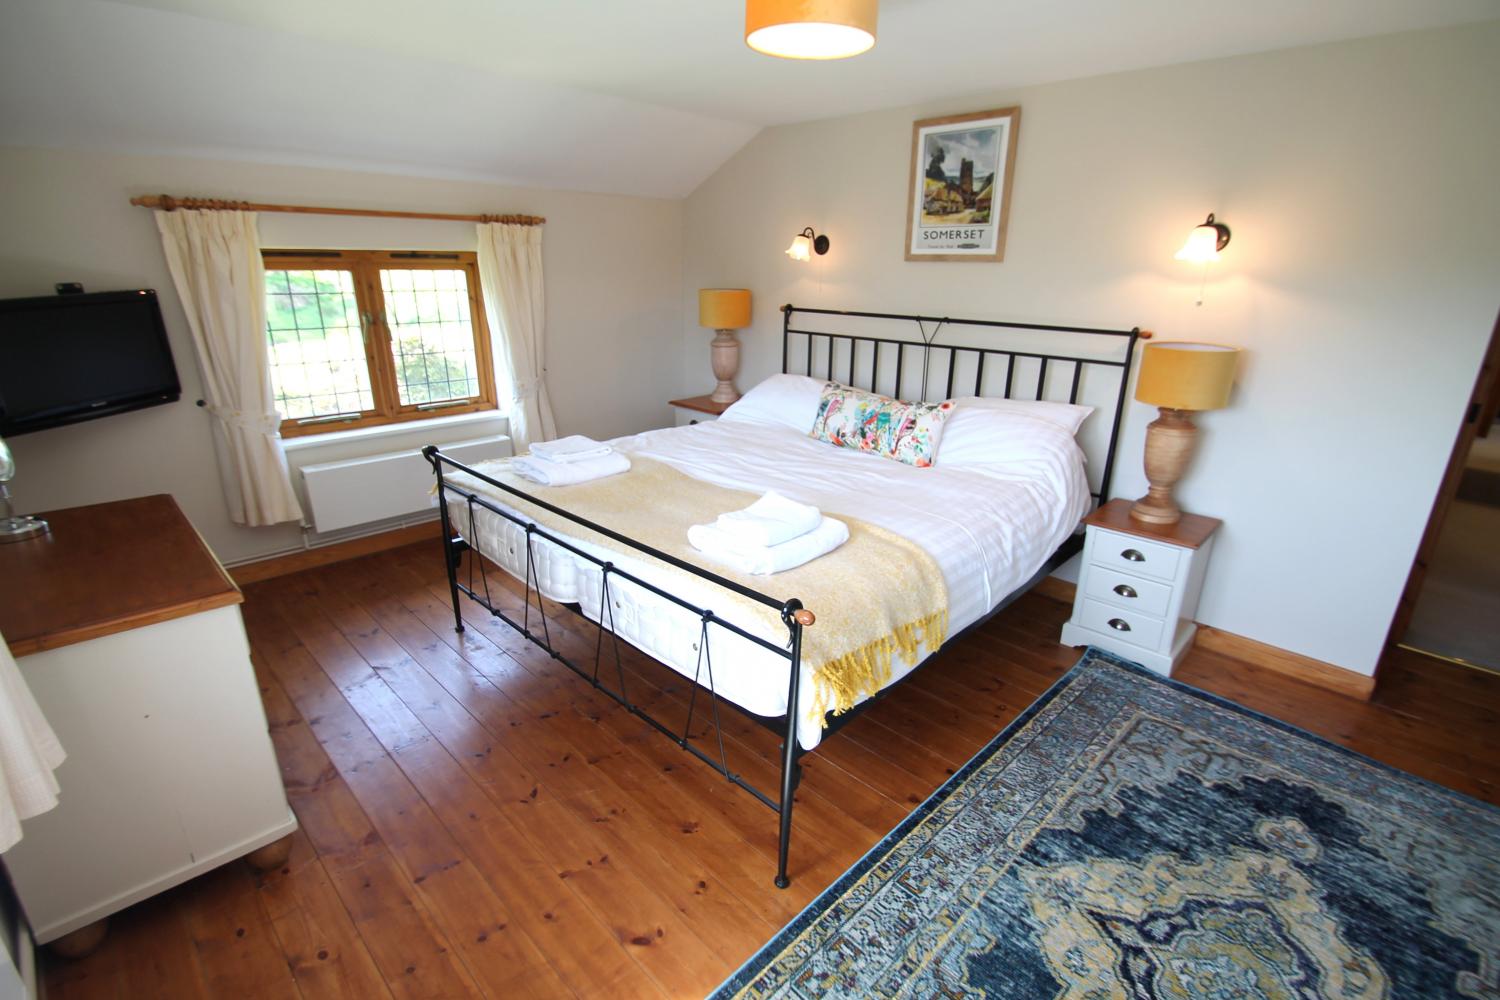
[(1451, 606)]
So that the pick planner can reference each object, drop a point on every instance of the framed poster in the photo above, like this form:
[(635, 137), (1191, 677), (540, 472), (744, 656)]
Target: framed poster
[(959, 199)]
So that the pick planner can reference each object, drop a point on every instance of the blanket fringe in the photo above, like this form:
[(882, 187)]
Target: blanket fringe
[(839, 683)]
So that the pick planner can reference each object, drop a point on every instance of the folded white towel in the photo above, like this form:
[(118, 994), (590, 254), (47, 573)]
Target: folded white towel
[(761, 560), (539, 470), (573, 448), (771, 520)]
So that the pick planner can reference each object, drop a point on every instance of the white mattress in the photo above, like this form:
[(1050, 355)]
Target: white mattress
[(989, 528)]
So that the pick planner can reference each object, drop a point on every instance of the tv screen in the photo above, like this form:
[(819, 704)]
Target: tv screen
[(66, 358)]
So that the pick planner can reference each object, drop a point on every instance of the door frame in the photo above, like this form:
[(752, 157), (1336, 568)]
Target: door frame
[(1479, 412)]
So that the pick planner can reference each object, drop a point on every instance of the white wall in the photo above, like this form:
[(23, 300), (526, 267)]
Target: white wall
[(1362, 280), (613, 279)]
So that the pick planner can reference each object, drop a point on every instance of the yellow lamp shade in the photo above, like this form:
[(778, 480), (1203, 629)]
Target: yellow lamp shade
[(724, 308), (810, 29), (1185, 376), (801, 249)]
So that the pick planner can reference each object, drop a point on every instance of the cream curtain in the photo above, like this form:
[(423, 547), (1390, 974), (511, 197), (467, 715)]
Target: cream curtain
[(510, 275), (214, 257), (29, 753)]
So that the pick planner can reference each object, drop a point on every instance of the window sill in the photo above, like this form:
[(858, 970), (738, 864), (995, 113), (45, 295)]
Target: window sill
[(439, 424)]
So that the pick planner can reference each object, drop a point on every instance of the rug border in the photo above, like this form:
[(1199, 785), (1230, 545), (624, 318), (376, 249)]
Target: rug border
[(940, 794)]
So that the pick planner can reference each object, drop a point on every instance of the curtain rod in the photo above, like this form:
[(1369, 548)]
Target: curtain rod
[(167, 203)]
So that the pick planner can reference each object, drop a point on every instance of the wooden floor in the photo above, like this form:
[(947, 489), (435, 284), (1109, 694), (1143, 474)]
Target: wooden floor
[(477, 821)]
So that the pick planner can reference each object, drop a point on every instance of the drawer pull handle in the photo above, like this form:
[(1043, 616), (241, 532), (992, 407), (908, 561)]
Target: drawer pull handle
[(1119, 624), (1125, 590), (1132, 555)]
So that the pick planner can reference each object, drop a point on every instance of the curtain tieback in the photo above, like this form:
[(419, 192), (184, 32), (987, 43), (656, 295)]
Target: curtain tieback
[(522, 391), (261, 423)]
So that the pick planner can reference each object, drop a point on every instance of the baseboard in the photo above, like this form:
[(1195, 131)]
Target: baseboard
[(1287, 663), (294, 562), (1263, 655)]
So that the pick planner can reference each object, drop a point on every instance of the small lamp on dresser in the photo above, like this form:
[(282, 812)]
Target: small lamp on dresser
[(724, 310), (1180, 378)]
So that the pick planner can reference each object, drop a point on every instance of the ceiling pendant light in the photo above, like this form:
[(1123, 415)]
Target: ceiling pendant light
[(810, 29)]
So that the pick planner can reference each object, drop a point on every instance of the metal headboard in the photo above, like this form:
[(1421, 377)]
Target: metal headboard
[(959, 365)]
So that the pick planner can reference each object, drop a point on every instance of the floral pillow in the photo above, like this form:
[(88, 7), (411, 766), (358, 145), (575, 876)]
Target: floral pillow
[(907, 432)]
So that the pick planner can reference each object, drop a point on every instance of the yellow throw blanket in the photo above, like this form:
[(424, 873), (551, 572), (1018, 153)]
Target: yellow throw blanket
[(874, 595)]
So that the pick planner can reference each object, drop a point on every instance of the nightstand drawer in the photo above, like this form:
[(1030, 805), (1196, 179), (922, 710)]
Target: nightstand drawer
[(1129, 626), (1135, 555), (1132, 593)]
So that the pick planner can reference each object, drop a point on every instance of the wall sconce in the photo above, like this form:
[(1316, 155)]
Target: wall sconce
[(806, 241), (1202, 246), (1205, 241)]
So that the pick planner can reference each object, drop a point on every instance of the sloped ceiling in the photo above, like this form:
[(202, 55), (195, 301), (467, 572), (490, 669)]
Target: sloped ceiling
[(643, 97)]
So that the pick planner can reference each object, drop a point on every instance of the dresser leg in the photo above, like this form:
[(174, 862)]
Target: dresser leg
[(81, 942), (273, 855)]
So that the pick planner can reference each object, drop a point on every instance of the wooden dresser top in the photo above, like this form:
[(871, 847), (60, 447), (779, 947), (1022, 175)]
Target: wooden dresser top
[(104, 569)]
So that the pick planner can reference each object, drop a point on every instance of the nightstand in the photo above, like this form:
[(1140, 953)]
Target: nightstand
[(1138, 586), (697, 410)]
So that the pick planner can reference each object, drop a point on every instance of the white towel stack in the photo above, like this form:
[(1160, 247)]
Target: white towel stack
[(570, 460), (771, 535), (573, 448)]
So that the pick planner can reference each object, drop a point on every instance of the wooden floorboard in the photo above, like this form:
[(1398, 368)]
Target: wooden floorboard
[(476, 820)]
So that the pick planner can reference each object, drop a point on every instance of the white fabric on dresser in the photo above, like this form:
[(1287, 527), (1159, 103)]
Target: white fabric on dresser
[(989, 528), (29, 753)]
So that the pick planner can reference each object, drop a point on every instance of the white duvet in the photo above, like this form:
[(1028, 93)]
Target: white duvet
[(988, 527)]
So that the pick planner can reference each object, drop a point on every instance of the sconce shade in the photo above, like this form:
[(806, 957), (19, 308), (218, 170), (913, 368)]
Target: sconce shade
[(1204, 242), (724, 308), (1186, 376), (810, 29), (807, 243)]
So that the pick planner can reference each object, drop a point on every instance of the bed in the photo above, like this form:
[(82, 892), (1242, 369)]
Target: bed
[(991, 525)]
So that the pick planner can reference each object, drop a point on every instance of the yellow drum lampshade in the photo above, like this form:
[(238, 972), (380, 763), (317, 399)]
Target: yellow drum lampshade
[(1187, 376), (724, 308), (810, 29)]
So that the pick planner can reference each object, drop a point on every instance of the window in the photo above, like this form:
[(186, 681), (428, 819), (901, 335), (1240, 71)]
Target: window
[(360, 338)]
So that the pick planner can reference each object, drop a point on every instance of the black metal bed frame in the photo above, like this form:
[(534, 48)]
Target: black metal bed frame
[(793, 615)]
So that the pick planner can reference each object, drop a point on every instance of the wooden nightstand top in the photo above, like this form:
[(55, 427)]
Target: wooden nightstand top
[(1190, 532), (702, 404)]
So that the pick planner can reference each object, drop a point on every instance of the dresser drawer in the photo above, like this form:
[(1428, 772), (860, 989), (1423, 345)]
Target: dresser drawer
[(1132, 593), (1135, 555), (1128, 626)]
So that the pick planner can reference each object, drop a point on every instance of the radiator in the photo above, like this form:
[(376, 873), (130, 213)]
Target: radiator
[(395, 484)]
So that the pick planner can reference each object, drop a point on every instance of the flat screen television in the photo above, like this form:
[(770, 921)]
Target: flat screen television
[(66, 358)]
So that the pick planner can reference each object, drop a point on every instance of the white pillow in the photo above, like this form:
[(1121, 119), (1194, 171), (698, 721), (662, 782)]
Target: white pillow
[(985, 435), (780, 401), (1069, 416)]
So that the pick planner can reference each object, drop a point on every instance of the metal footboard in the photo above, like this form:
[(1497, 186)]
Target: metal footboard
[(460, 538)]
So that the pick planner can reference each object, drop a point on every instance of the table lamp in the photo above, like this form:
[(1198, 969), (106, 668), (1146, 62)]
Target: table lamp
[(14, 527), (1180, 378), (724, 310)]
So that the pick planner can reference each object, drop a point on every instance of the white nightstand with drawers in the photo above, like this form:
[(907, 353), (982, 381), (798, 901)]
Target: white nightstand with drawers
[(1138, 585)]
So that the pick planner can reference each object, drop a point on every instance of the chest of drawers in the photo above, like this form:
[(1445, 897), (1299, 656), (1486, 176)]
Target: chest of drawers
[(1138, 585)]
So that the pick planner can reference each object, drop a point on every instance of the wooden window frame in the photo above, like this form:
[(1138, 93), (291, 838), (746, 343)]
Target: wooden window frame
[(365, 266)]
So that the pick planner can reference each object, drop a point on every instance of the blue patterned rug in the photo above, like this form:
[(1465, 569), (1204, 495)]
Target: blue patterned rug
[(1130, 837)]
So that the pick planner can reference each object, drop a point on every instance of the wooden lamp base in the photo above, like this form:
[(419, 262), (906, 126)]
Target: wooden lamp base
[(725, 354), (1170, 440)]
